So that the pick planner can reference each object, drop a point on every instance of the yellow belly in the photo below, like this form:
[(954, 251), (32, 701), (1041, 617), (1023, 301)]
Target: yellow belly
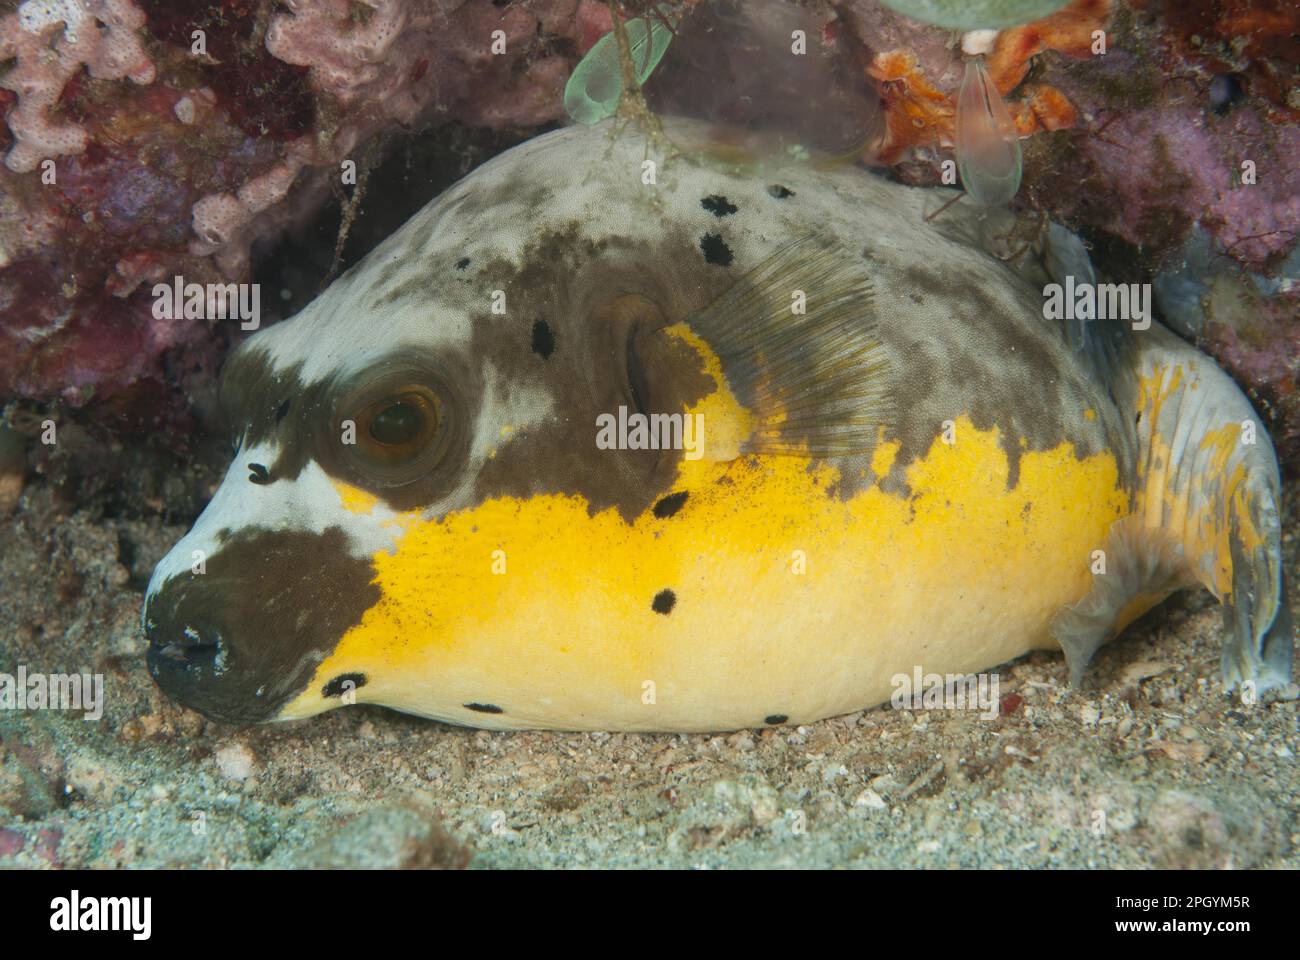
[(788, 600)]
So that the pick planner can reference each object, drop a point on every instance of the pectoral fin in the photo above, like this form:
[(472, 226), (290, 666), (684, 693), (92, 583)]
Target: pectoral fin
[(796, 338)]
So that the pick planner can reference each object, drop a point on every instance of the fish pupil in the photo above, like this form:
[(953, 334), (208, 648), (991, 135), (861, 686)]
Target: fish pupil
[(397, 424)]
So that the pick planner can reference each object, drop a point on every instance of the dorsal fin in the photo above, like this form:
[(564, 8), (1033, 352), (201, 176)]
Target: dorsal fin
[(1105, 346), (796, 337)]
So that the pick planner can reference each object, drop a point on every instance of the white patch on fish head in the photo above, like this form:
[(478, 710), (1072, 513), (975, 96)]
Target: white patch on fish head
[(309, 503)]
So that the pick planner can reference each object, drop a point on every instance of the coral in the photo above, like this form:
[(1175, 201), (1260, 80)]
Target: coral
[(1254, 40), (1160, 151), (1068, 32), (1141, 148), (100, 35), (1171, 159), (185, 132), (916, 113), (920, 99)]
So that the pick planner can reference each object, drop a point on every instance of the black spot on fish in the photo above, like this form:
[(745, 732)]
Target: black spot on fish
[(543, 339), (663, 602), (484, 708), (338, 686), (462, 263), (776, 719), (779, 192), (670, 504), (282, 410), (715, 250), (258, 474), (718, 205)]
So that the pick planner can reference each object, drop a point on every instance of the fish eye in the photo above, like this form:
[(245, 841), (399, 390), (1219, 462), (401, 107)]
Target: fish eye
[(398, 426)]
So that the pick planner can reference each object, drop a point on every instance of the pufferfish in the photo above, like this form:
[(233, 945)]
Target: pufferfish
[(607, 439)]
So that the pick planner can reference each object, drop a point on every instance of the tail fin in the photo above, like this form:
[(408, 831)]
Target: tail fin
[(1259, 631), (1208, 476)]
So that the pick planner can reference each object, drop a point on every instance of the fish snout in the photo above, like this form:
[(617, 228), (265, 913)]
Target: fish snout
[(194, 656)]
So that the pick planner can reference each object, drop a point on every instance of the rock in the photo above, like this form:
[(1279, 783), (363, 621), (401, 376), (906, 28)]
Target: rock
[(24, 792), (93, 777), (406, 835), (235, 762), (871, 800), (1193, 831), (725, 810)]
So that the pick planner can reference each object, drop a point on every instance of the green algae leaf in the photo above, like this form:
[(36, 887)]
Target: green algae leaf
[(594, 88), (975, 14)]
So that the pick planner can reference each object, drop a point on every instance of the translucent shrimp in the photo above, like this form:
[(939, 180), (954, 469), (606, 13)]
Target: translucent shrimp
[(987, 146)]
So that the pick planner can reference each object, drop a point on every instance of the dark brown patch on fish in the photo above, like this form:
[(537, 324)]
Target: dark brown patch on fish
[(251, 400), (664, 602), (715, 250), (241, 640), (718, 205), (608, 301), (1016, 376), (342, 683), (670, 504), (543, 339)]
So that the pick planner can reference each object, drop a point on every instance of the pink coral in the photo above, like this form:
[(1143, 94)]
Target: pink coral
[(394, 64), (51, 41), (1172, 159), (920, 94)]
